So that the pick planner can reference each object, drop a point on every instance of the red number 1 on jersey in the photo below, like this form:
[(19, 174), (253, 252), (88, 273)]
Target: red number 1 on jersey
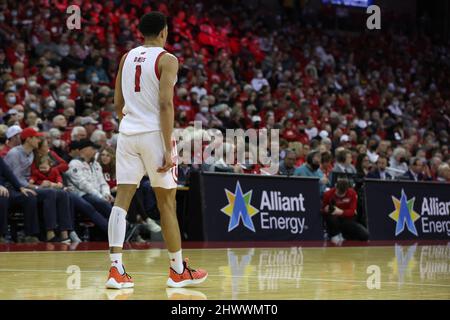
[(137, 79)]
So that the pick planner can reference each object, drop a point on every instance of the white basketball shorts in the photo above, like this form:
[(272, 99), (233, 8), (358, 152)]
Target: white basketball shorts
[(140, 153)]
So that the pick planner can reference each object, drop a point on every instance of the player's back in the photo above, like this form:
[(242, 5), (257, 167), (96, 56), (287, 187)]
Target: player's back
[(140, 88)]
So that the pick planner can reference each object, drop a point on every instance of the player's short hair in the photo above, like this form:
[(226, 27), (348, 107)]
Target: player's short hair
[(152, 23)]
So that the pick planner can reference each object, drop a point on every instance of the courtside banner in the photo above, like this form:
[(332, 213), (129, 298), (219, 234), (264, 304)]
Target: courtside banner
[(398, 210), (255, 207)]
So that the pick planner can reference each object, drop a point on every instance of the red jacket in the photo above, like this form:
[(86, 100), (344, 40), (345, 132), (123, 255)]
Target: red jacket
[(38, 177), (348, 203)]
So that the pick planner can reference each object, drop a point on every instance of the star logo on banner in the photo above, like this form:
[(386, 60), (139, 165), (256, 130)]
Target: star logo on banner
[(404, 214), (239, 208)]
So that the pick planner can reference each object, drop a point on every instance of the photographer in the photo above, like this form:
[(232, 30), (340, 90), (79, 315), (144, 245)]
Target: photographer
[(339, 209)]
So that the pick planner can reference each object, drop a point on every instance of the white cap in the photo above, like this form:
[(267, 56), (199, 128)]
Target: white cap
[(323, 134), (361, 123), (256, 119), (345, 138), (12, 131)]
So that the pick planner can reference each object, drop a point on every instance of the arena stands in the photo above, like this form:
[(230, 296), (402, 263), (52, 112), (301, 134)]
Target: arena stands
[(335, 93)]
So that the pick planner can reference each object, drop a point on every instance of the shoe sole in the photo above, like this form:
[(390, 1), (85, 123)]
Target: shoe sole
[(113, 284), (184, 283)]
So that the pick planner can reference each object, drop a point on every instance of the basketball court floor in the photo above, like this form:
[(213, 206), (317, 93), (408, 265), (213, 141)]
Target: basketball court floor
[(270, 271)]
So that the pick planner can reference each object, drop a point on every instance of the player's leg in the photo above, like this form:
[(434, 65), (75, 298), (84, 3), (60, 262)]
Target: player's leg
[(129, 171), (164, 185), (180, 275), (165, 199)]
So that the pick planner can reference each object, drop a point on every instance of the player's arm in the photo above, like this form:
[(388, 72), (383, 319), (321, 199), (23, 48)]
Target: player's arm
[(119, 102), (169, 69)]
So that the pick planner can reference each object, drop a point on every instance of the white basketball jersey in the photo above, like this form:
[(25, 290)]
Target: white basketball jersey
[(140, 88)]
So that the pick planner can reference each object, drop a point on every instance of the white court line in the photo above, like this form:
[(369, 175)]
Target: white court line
[(230, 276)]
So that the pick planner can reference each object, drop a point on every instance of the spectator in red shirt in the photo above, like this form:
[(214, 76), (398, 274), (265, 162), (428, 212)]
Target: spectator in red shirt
[(339, 209), (46, 175), (19, 54)]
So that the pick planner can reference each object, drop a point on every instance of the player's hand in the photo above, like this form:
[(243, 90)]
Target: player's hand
[(4, 192), (168, 162)]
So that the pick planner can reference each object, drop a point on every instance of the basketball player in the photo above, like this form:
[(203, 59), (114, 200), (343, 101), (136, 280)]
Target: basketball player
[(144, 104)]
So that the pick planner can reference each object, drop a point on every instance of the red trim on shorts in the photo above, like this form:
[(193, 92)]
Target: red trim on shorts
[(156, 64)]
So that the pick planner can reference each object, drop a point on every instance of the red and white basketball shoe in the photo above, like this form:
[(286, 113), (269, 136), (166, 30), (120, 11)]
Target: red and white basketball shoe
[(189, 276), (118, 281)]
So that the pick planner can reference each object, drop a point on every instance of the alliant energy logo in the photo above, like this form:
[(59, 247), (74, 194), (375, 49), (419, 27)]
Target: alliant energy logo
[(239, 207), (434, 215), (273, 209)]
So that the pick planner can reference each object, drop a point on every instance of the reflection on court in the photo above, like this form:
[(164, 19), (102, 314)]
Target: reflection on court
[(405, 272)]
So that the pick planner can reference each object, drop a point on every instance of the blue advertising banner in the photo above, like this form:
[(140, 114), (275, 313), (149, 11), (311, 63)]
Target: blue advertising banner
[(259, 208), (399, 210)]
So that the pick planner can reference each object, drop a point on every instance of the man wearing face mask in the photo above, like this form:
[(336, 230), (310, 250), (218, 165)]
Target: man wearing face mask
[(47, 75), (10, 100), (312, 169), (56, 144)]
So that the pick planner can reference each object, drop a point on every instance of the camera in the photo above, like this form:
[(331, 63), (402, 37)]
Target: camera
[(331, 207)]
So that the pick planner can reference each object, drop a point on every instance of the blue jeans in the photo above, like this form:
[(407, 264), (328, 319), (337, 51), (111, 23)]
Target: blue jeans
[(28, 205), (100, 205), (56, 209), (79, 204)]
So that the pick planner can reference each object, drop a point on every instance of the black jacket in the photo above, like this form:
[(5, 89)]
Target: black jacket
[(376, 175), (410, 177)]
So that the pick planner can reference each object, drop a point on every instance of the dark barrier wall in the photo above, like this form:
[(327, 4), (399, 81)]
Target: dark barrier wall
[(253, 208), (407, 210)]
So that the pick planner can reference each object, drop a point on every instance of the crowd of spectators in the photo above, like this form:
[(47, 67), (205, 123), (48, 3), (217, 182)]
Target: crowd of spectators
[(360, 104)]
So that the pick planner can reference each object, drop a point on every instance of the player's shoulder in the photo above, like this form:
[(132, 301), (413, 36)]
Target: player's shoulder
[(169, 58)]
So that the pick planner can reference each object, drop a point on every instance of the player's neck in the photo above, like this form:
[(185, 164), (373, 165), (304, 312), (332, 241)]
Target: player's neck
[(153, 43)]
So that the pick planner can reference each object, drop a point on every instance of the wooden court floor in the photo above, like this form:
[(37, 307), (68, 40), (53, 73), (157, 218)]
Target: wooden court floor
[(382, 272)]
